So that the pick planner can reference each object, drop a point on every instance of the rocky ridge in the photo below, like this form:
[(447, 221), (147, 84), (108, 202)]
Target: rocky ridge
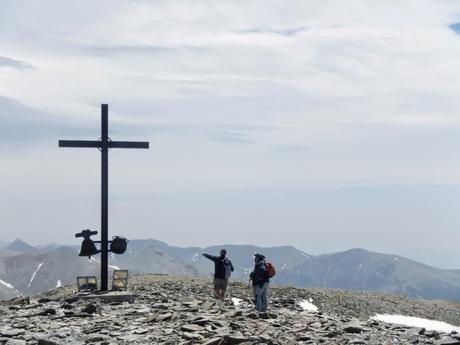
[(170, 310)]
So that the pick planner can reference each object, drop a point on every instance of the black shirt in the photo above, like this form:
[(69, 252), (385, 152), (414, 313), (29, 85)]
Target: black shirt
[(219, 265)]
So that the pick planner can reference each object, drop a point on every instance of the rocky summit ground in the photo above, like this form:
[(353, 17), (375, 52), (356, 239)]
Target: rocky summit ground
[(170, 310)]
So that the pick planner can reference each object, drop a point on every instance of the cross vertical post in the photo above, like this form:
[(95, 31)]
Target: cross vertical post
[(104, 144), (104, 196)]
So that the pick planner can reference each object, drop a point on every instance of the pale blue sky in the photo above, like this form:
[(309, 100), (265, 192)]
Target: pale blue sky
[(326, 125)]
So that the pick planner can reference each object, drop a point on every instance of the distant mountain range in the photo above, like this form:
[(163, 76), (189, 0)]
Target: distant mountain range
[(359, 269), (25, 269)]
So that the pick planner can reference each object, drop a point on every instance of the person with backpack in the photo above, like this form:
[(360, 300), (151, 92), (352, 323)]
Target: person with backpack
[(223, 269), (260, 277)]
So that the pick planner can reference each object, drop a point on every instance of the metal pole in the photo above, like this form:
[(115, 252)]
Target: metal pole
[(104, 195)]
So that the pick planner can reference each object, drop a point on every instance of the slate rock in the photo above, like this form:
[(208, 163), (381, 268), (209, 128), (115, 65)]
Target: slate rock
[(164, 317), (10, 333), (235, 339), (45, 342), (16, 342), (47, 312), (213, 341), (352, 327), (191, 328), (448, 341), (89, 309)]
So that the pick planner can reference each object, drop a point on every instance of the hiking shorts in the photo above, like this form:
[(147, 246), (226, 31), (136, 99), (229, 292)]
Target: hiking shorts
[(220, 284)]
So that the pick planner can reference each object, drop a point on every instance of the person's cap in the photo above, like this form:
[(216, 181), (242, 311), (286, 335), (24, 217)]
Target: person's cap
[(259, 256), (223, 251)]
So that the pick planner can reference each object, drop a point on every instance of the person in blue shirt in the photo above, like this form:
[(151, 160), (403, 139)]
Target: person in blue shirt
[(260, 282), (222, 270)]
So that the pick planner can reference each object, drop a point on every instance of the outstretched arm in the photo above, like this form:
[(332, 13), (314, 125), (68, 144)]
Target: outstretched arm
[(210, 257)]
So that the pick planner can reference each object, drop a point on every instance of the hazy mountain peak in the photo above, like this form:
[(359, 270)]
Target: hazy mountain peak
[(357, 250), (19, 245)]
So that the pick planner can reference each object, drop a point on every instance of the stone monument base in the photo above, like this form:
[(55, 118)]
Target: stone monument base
[(109, 296)]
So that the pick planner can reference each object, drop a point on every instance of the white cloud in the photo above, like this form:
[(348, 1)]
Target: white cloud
[(12, 63), (247, 96)]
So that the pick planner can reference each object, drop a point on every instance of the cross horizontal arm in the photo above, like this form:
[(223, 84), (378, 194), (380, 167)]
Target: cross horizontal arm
[(129, 144), (79, 143)]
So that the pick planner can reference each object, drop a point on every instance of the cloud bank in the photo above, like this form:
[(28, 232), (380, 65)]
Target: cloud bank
[(262, 116)]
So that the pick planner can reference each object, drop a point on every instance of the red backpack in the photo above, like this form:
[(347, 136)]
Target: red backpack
[(270, 269)]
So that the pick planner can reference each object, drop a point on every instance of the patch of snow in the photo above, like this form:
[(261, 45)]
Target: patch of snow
[(303, 254), (378, 274), (283, 267), (236, 301), (327, 273), (58, 284), (396, 259), (110, 266), (35, 273), (308, 305), (8, 285), (195, 257), (411, 321), (360, 266)]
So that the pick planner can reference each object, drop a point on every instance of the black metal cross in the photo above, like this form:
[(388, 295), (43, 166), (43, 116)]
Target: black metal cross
[(104, 144)]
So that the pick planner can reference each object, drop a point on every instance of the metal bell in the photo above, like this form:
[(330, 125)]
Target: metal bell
[(118, 244), (88, 248)]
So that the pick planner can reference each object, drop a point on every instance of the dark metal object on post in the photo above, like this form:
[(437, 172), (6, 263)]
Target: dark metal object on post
[(118, 244), (88, 246)]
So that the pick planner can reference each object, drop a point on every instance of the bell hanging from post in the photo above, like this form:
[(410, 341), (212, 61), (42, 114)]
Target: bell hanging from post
[(88, 248), (118, 245)]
